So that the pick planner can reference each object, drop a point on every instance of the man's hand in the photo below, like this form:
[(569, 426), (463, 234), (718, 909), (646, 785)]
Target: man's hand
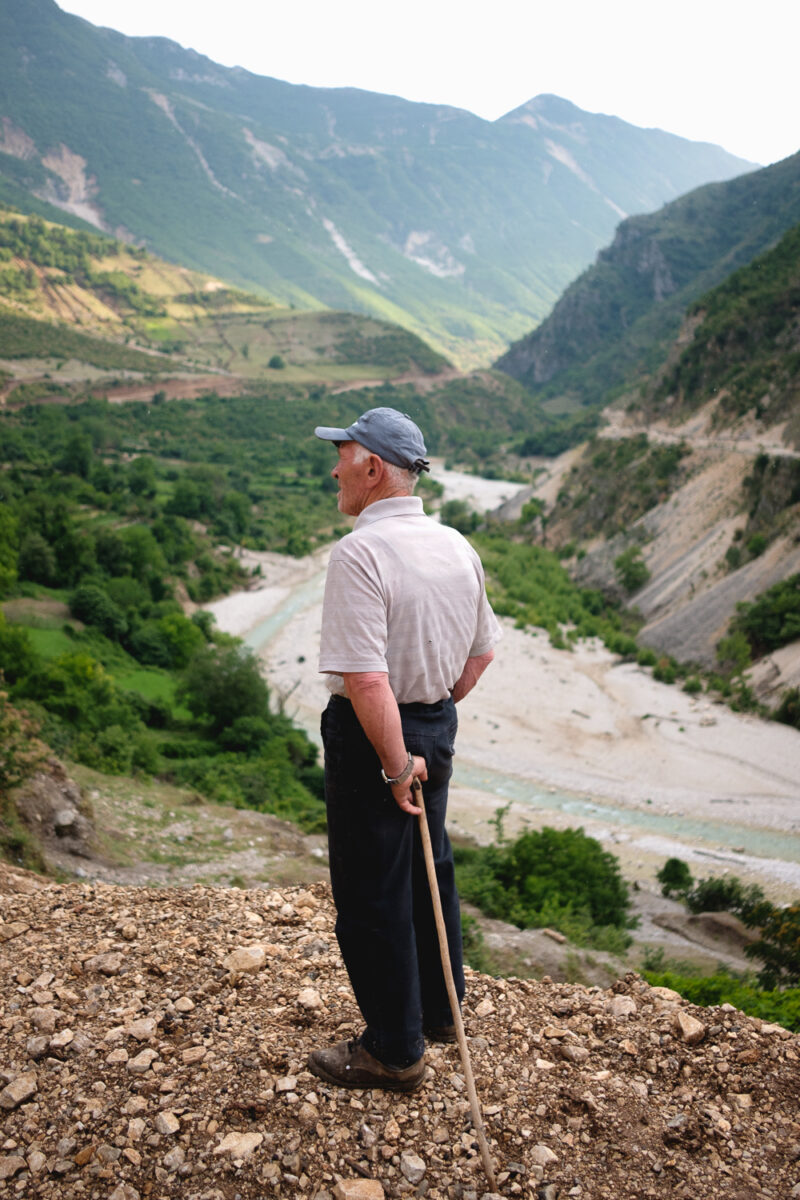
[(403, 792)]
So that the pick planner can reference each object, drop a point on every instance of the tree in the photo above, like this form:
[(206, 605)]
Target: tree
[(222, 684), (8, 549), (77, 456), (724, 894), (675, 877), (778, 945), (92, 605), (37, 561), (142, 476)]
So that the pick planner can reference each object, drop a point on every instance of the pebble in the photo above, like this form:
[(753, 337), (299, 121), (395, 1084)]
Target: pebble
[(412, 1166), (144, 1030), (193, 1054), (19, 1090), (621, 1006), (688, 1028), (358, 1189), (167, 1123), (10, 1165), (245, 959), (239, 1145), (142, 1062), (109, 963)]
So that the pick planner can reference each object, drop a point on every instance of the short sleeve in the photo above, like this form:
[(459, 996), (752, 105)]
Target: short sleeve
[(354, 627)]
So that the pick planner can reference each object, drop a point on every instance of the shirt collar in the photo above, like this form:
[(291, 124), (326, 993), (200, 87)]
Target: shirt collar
[(395, 506)]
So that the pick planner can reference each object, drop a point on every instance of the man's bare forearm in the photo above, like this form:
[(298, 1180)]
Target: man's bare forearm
[(377, 711), (473, 669), (376, 708)]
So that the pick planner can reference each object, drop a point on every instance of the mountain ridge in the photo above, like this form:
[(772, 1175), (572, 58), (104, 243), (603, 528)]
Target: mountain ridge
[(463, 230), (612, 324)]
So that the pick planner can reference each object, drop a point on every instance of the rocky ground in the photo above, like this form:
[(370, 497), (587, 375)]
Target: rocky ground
[(154, 1043)]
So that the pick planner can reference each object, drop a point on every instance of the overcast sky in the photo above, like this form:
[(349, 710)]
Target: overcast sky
[(721, 71)]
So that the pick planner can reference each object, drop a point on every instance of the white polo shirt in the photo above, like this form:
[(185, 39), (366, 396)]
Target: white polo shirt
[(404, 595)]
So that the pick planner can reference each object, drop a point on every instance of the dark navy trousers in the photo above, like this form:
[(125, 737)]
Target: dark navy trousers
[(385, 923)]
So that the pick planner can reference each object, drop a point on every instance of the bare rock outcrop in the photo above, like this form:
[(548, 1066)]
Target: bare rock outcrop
[(52, 807), (137, 1059)]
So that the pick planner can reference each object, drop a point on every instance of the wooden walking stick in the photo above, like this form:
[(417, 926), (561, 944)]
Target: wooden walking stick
[(455, 1008)]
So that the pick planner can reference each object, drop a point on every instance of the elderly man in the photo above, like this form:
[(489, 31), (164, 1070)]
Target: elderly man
[(407, 631)]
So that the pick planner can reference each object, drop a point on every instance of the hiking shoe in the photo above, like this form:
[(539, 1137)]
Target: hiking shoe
[(440, 1033), (349, 1065)]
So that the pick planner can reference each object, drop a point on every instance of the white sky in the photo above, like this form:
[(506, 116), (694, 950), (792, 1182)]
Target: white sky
[(723, 71)]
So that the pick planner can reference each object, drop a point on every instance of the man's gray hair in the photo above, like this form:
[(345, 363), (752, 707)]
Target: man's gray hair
[(403, 478)]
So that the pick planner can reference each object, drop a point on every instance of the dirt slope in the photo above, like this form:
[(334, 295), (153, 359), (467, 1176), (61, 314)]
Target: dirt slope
[(140, 1059)]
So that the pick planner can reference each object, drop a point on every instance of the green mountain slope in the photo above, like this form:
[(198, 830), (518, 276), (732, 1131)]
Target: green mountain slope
[(84, 301), (744, 350), (462, 230), (615, 322)]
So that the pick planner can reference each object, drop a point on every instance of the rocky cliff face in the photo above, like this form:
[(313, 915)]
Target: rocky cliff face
[(613, 323), (154, 1043)]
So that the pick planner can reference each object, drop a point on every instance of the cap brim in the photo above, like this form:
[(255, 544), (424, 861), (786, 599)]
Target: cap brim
[(328, 434)]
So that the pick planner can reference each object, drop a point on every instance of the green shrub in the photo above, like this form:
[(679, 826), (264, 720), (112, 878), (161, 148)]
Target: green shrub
[(675, 877), (548, 877), (631, 570), (723, 894), (665, 670), (788, 711), (222, 684)]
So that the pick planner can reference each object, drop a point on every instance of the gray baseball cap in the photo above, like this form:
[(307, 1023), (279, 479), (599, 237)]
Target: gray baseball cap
[(386, 432)]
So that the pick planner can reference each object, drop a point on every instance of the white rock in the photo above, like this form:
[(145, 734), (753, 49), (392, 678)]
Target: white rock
[(239, 1145), (666, 995), (125, 1191), (175, 1158), (688, 1028), (143, 1030), (485, 1008), (309, 998), (543, 1156), (142, 1062), (107, 964), (36, 1162), (167, 1123), (412, 1166), (621, 1006), (19, 1090), (136, 1127), (358, 1189), (245, 958)]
